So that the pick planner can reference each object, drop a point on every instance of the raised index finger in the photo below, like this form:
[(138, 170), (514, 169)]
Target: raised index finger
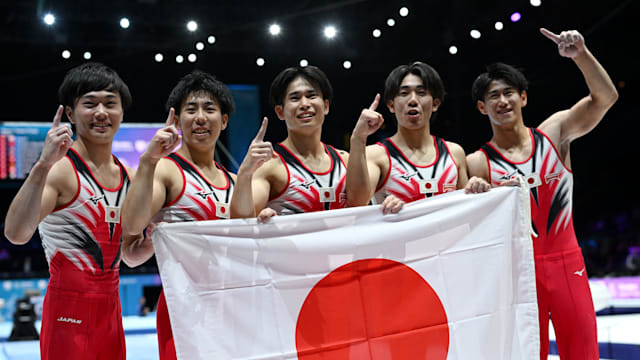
[(263, 129), (169, 121), (375, 103), (550, 35), (57, 117)]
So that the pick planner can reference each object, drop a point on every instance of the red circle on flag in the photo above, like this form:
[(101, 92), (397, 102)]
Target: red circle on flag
[(427, 185), (223, 209), (112, 214), (326, 194), (372, 309), (531, 180)]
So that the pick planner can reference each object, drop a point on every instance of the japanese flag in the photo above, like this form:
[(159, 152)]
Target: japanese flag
[(450, 277)]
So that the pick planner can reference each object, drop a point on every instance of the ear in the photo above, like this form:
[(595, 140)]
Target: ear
[(279, 111), (69, 112), (391, 107), (436, 105), (523, 98), (225, 121), (481, 107), (326, 106)]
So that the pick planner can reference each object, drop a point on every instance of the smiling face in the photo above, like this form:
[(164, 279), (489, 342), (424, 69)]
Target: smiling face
[(96, 115), (503, 103), (200, 120), (413, 105), (303, 106)]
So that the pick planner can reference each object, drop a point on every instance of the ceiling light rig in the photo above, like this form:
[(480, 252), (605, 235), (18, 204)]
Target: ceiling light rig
[(274, 29), (49, 19), (330, 32)]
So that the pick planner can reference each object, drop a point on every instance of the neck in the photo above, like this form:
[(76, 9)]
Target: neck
[(413, 139), (97, 154), (510, 137), (203, 159), (305, 145)]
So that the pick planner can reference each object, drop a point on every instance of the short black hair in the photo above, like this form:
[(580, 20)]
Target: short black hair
[(312, 74), (430, 79), (498, 71), (200, 81), (92, 76)]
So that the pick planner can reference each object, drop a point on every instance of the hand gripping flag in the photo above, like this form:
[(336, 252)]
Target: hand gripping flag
[(450, 277)]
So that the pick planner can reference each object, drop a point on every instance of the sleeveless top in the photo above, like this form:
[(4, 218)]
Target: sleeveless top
[(410, 182), (199, 199), (551, 187), (82, 239), (308, 191)]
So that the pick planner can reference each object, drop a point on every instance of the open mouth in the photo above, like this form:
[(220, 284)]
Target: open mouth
[(305, 116), (200, 131), (100, 125)]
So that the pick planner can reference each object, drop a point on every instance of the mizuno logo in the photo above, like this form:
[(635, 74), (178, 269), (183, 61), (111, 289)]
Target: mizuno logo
[(95, 199), (69, 320), (509, 176), (579, 272), (407, 177), (308, 184), (204, 195)]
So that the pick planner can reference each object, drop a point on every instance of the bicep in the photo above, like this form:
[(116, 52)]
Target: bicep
[(461, 164), (477, 165), (260, 190), (49, 201)]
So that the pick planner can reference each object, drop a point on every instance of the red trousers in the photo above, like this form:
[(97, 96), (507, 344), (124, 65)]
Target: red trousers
[(564, 297), (166, 345)]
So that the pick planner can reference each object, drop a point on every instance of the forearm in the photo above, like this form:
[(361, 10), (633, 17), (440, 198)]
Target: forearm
[(21, 220), (358, 184), (601, 87), (242, 205), (136, 250), (136, 210)]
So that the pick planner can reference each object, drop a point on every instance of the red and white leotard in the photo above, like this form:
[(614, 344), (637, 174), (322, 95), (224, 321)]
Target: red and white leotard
[(308, 191), (410, 182)]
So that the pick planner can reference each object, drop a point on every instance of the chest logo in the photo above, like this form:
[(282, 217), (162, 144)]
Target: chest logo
[(428, 186), (408, 176), (96, 198), (308, 184), (112, 214), (204, 194)]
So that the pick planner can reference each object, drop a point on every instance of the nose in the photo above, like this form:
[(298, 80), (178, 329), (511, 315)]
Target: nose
[(413, 98), (305, 102), (200, 115), (101, 110)]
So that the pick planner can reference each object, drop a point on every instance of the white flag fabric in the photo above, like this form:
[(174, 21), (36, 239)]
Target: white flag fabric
[(449, 277)]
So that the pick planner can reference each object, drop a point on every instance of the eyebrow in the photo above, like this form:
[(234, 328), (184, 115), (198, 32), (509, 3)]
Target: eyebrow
[(421, 86), (307, 91), (91, 97), (501, 89), (208, 102)]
